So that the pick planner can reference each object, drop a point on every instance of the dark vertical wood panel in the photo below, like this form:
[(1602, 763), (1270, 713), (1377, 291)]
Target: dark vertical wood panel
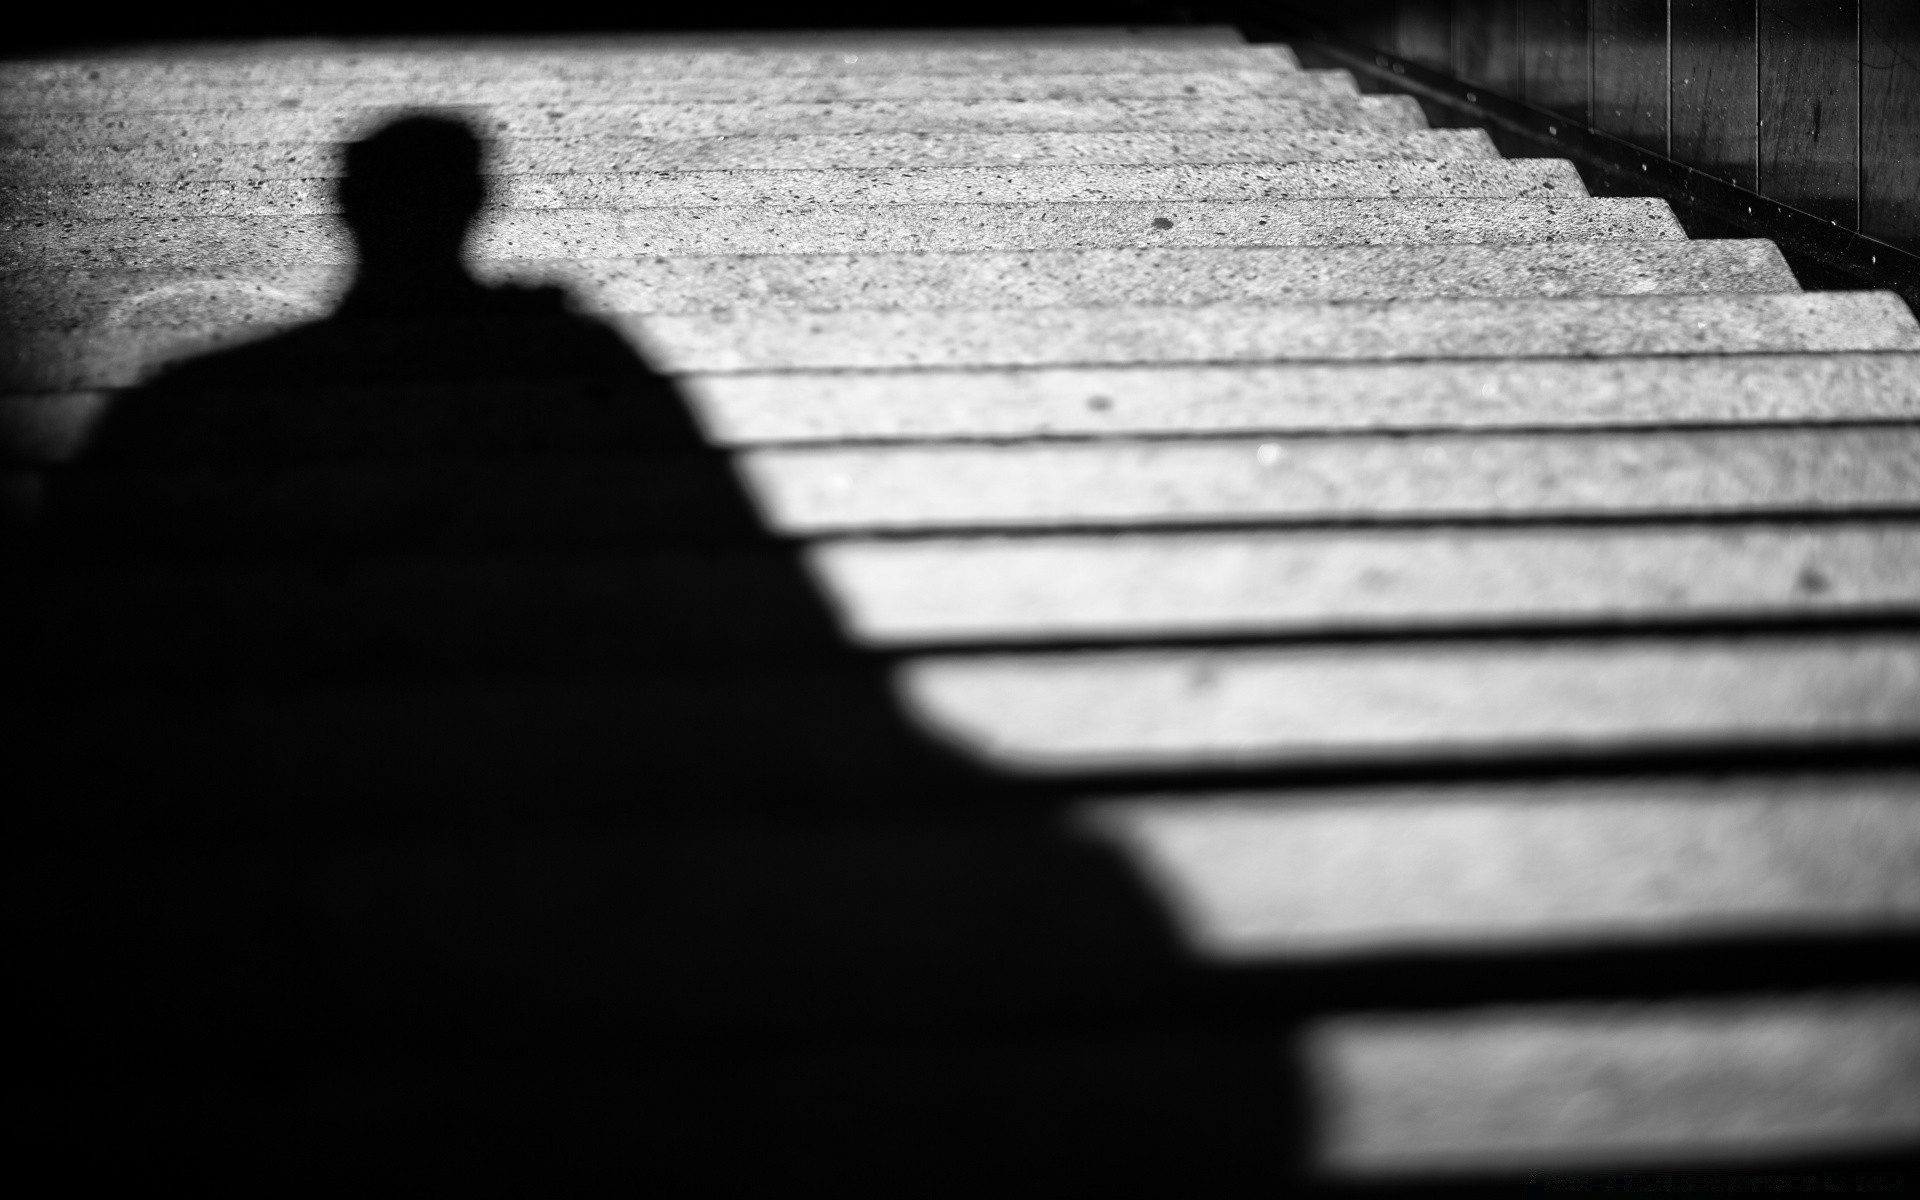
[(1486, 44), (1369, 22), (1630, 71), (1810, 106), (1716, 84), (1425, 33), (1890, 121), (1554, 55)]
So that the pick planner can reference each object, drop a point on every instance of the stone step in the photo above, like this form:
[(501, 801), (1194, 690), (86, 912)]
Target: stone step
[(470, 90), (1540, 393), (78, 167), (227, 71), (1380, 114), (1333, 873), (921, 405), (1748, 1082), (884, 228), (283, 622), (1342, 477), (610, 501), (1498, 700), (212, 300), (751, 409), (954, 590), (1418, 329), (778, 340), (1373, 179)]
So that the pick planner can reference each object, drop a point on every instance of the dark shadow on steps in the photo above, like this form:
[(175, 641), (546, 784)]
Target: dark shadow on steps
[(450, 761)]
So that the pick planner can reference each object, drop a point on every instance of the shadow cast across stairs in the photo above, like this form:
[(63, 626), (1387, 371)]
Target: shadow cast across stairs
[(441, 759)]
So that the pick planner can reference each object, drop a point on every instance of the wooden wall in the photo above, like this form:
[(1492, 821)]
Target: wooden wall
[(1815, 103)]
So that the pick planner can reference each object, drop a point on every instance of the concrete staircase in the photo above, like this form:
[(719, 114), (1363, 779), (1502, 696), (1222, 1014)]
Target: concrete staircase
[(1207, 628)]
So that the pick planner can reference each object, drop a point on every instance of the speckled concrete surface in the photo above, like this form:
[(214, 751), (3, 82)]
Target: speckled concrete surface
[(1594, 1087), (1121, 586), (981, 280), (224, 242), (1290, 479), (28, 170), (654, 88), (1548, 393), (1383, 114), (1149, 709), (56, 83), (1420, 329), (1305, 873), (1493, 449), (778, 339), (1540, 178), (751, 409)]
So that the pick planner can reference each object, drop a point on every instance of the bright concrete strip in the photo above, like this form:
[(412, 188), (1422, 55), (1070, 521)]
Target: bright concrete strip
[(186, 298), (1156, 585), (1310, 874), (1298, 398), (1055, 713), (1540, 178), (76, 81), (1566, 1087), (217, 242), (55, 171), (710, 119), (1416, 329), (775, 340), (1338, 477), (658, 89)]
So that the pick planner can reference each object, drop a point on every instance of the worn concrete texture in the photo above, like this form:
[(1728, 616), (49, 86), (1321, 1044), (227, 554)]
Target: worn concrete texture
[(780, 339), (667, 89), (1749, 1080), (57, 81), (188, 298), (1035, 588), (1500, 699), (1542, 178), (36, 172), (1309, 874), (1339, 477), (222, 242), (1733, 389), (749, 409), (1383, 114)]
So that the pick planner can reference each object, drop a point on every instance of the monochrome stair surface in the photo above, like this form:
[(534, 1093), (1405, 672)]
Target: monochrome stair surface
[(1476, 626)]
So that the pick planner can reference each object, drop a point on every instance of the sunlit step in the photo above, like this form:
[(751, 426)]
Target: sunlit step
[(711, 118), (746, 410), (1748, 1081), (1372, 179), (1301, 397), (58, 170), (217, 242), (1131, 585), (1337, 478), (1307, 875), (650, 88), (777, 340), (209, 302), (79, 80), (1407, 702)]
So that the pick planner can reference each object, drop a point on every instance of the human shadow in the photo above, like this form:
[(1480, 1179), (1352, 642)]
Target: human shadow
[(444, 607), (485, 509)]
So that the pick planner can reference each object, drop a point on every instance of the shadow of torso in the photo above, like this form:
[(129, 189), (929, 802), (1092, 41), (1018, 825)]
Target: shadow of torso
[(444, 609)]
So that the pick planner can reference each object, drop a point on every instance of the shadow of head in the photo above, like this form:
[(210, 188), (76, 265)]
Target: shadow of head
[(411, 192)]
